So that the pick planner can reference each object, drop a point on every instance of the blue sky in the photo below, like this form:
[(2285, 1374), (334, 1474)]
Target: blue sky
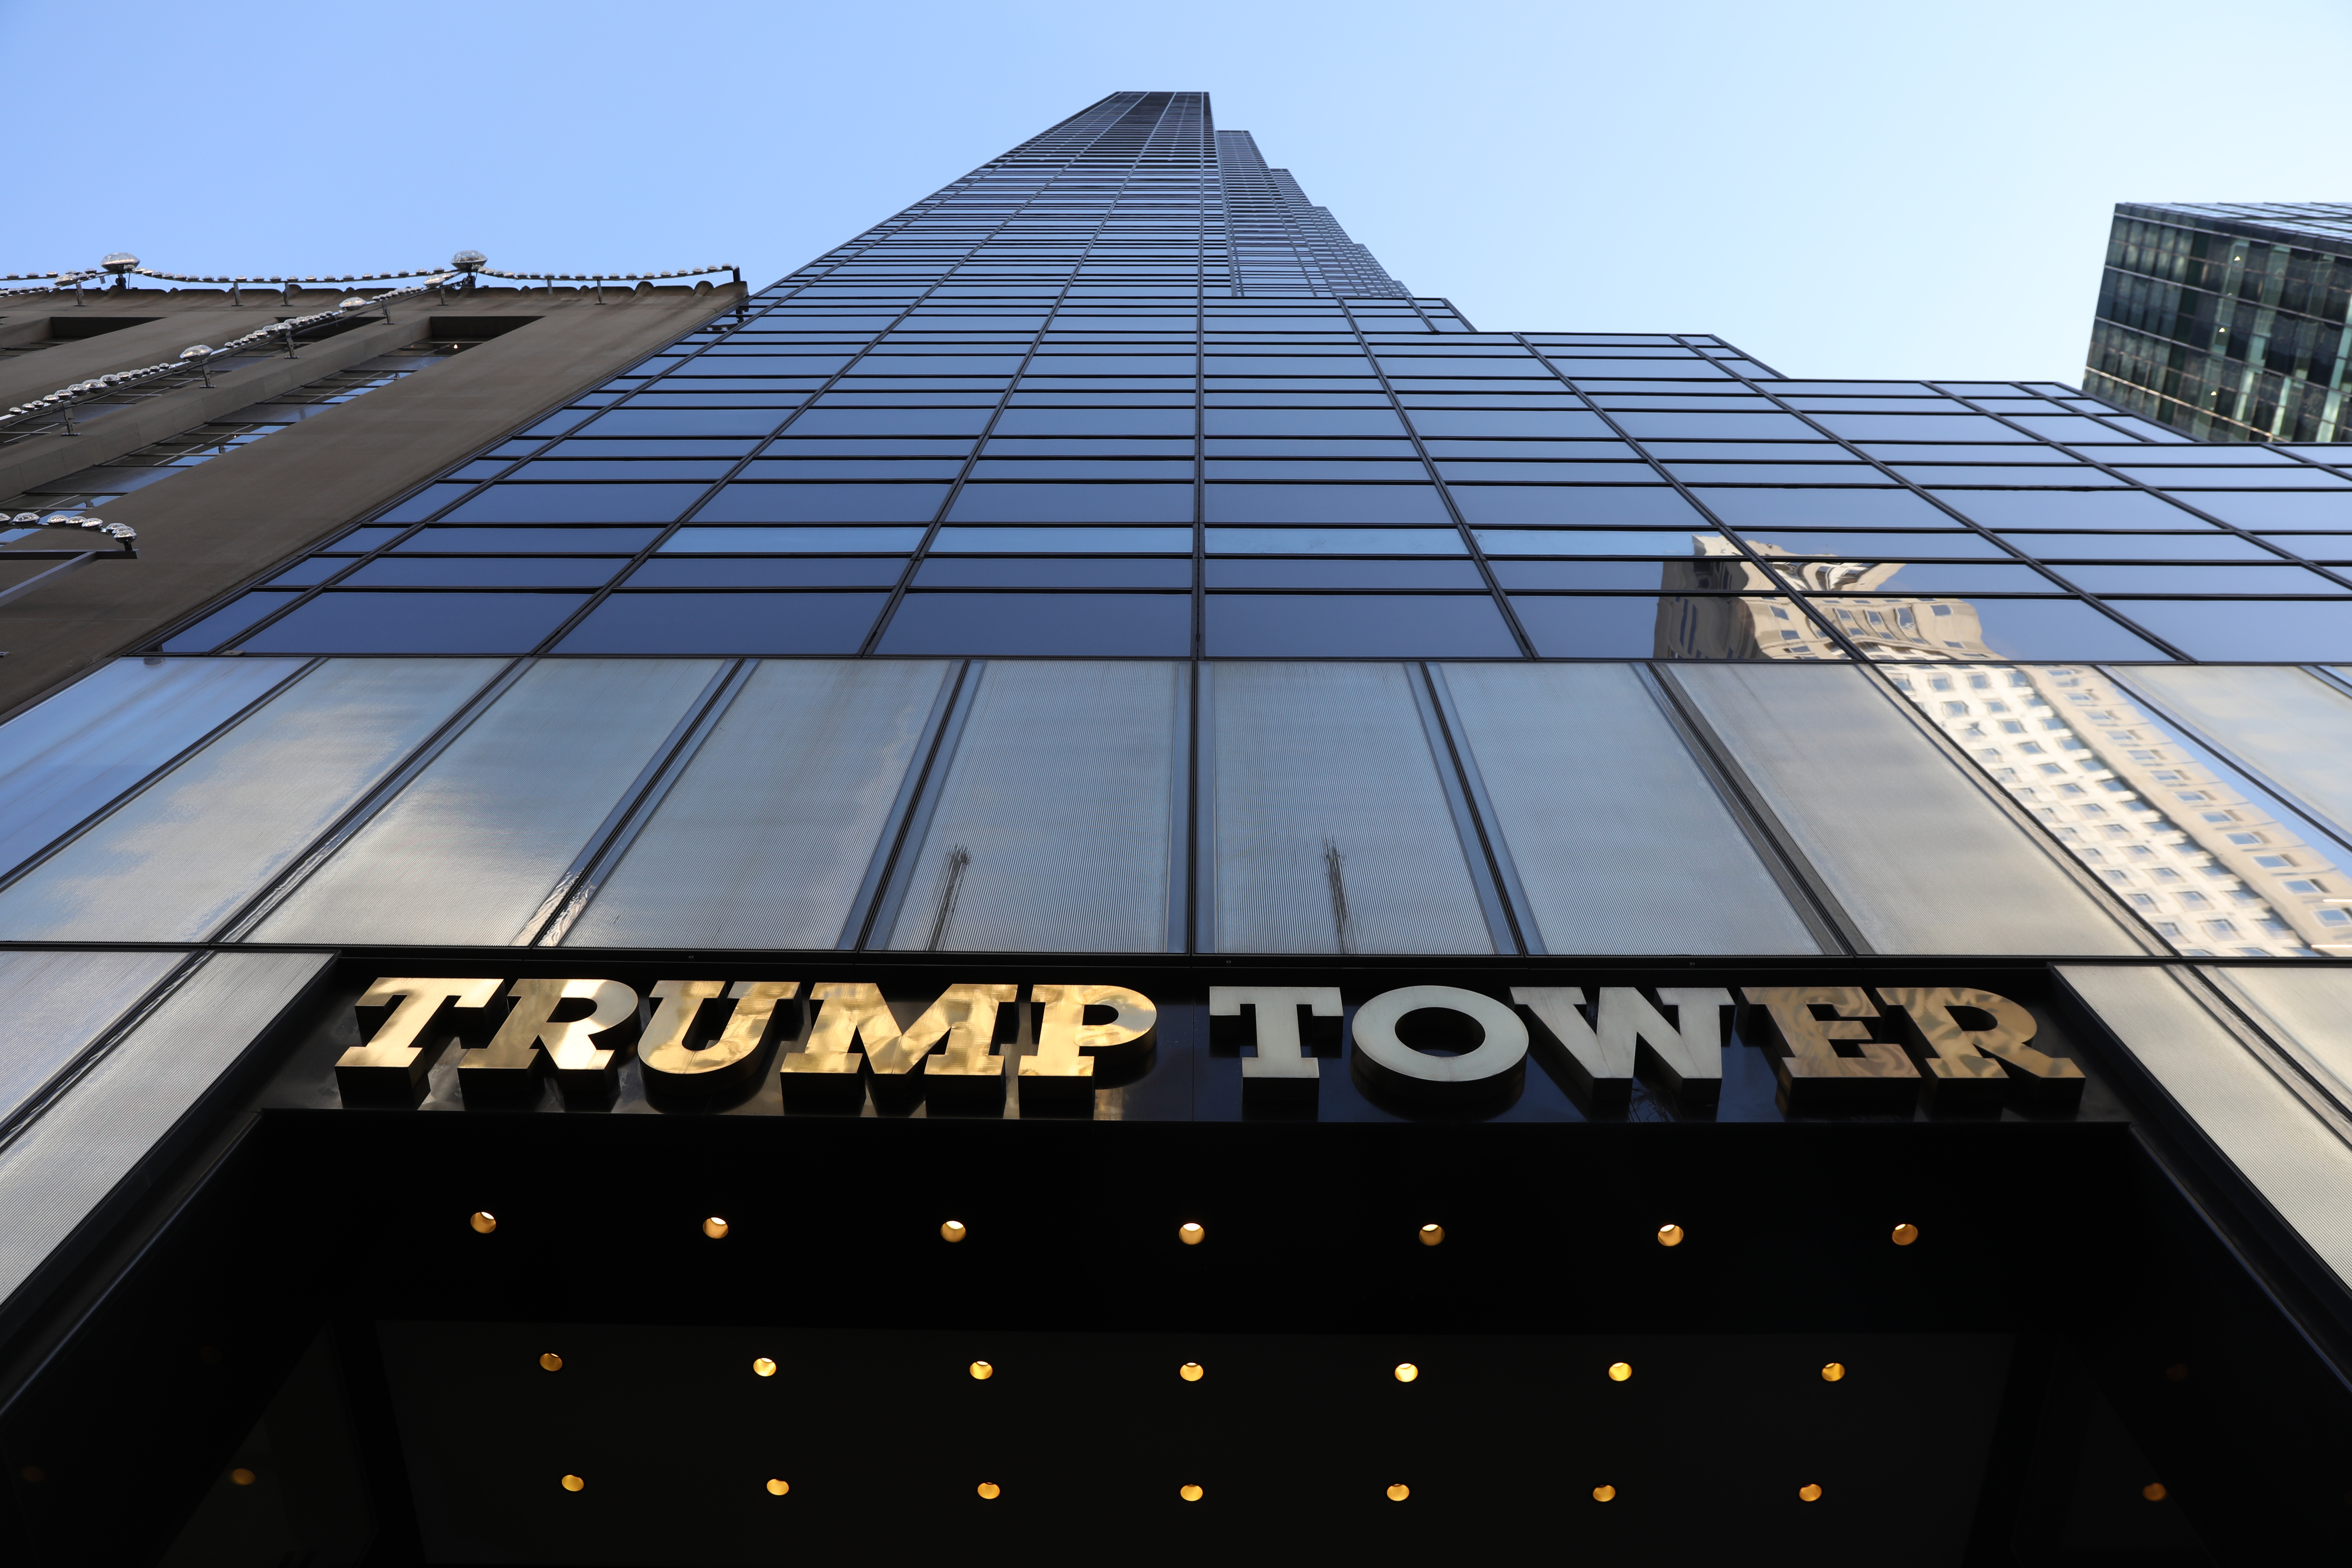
[(1843, 189)]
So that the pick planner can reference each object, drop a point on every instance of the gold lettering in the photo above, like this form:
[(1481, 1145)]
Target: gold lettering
[(1064, 1035), (570, 1045), (849, 1013), (854, 1013), (1811, 1055), (664, 1051), (393, 1054), (1978, 1055), (966, 1015)]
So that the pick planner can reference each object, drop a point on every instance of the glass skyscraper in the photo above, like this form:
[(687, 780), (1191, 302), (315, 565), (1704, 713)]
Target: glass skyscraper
[(1086, 879), (2225, 321)]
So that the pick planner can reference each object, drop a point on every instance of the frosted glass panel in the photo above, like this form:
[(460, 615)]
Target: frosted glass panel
[(63, 760), (765, 840), (96, 1133), (2308, 1010), (56, 1003), (468, 851), (180, 857), (2288, 723), (1921, 858), (2289, 1155), (1053, 826), (1620, 842), (1332, 833)]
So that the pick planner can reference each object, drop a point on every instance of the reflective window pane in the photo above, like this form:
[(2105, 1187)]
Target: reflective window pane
[(1619, 841), (1331, 829), (466, 854), (765, 837), (180, 857), (69, 755), (1056, 827), (1919, 857)]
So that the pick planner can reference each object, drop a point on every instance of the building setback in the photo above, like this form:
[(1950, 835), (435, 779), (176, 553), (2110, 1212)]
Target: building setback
[(1086, 879)]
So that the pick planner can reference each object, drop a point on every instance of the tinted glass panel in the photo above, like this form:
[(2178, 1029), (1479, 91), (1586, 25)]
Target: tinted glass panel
[(1331, 830), (1371, 626), (1149, 625), (726, 624), (1622, 847), (578, 503), (340, 622), (1055, 828), (70, 755), (184, 854), (765, 837), (1919, 856), (463, 856)]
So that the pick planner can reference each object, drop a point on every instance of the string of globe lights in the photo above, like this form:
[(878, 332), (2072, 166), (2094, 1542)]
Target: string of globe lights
[(199, 358), (121, 265)]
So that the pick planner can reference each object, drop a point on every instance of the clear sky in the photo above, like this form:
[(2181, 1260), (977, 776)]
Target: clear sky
[(1873, 189)]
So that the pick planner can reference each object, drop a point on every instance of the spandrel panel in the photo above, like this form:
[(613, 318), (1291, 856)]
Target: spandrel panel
[(2289, 723), (58, 1003), (1916, 852), (469, 850), (1332, 832), (765, 837), (180, 857), (1053, 828), (68, 757), (1620, 843)]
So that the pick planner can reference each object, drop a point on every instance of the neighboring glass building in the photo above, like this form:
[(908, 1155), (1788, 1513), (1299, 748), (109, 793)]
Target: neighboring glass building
[(1086, 881), (2225, 321)]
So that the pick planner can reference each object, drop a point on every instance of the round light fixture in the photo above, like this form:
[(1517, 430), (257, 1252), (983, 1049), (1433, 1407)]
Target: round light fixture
[(1810, 1491), (982, 1372), (1619, 1371), (779, 1487), (1431, 1235), (1399, 1492), (1669, 1236), (763, 1366), (549, 1362), (1834, 1371), (990, 1491), (484, 1222), (954, 1230), (1189, 1493), (715, 1228), (1406, 1372), (1604, 1494), (1905, 1234), (1192, 1371), (1190, 1232), (574, 1483)]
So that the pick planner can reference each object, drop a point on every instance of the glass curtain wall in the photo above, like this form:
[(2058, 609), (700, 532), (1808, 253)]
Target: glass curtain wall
[(1124, 392), (2226, 319)]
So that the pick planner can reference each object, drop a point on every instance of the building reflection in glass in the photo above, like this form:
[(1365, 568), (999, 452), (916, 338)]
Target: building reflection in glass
[(1749, 629), (2213, 864), (2207, 858)]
